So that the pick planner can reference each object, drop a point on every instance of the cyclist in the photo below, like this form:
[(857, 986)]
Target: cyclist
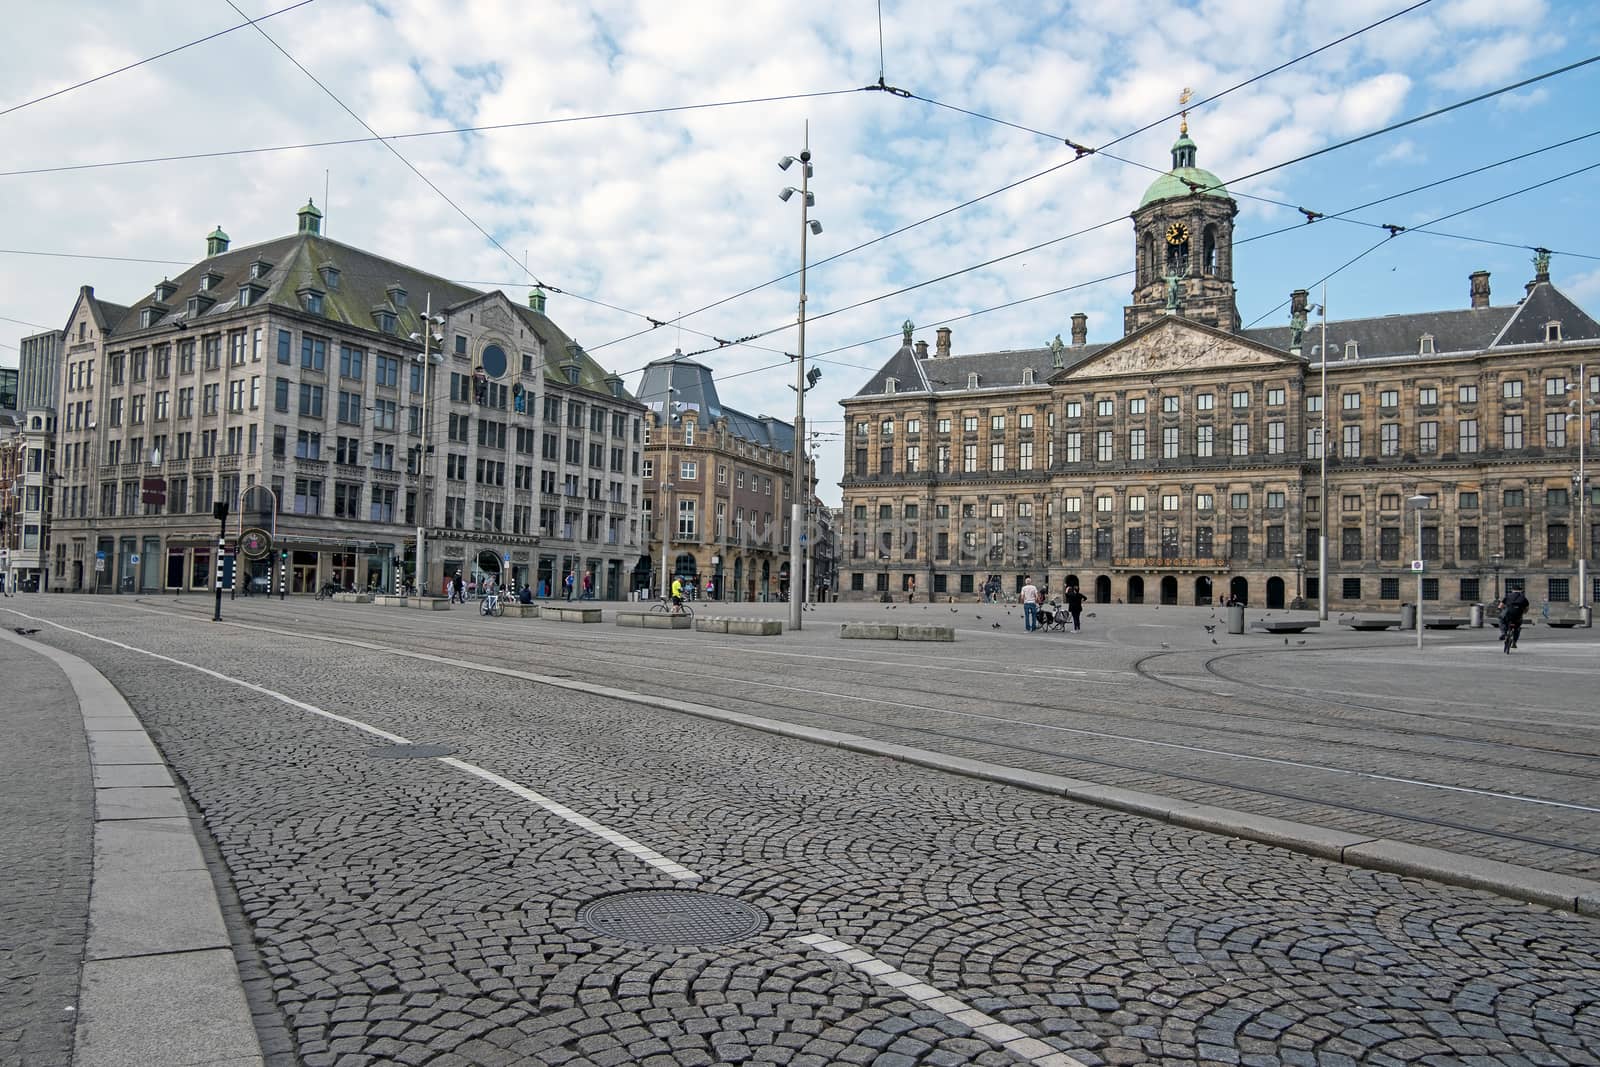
[(677, 595), (1512, 609)]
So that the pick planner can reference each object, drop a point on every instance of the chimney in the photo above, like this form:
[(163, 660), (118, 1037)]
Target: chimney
[(922, 350), (1480, 288), (1080, 329), (216, 242), (941, 349)]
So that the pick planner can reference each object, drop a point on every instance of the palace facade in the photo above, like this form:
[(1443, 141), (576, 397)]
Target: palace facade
[(1184, 462)]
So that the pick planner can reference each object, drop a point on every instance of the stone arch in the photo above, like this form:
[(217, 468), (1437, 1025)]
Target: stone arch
[(1275, 592), (1136, 590), (1102, 589), (1203, 592), (1239, 589), (1169, 590)]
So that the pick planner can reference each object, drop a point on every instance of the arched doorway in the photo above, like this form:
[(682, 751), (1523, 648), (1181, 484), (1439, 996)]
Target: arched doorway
[(1239, 590), (1202, 591), (738, 578), (488, 565), (766, 579), (1169, 590), (1102, 590), (1274, 592), (1136, 590), (1071, 582)]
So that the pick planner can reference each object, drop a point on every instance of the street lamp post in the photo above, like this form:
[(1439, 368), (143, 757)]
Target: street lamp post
[(1494, 562), (429, 320), (796, 514), (1322, 436), (666, 490), (1419, 502), (1584, 416), (1299, 567)]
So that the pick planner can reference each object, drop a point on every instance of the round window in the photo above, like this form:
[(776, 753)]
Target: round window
[(494, 361)]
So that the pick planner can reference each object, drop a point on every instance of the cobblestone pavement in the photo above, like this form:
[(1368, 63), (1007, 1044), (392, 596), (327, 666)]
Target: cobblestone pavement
[(46, 854), (409, 912)]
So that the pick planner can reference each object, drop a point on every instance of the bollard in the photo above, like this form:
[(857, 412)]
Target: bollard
[(1477, 616), (1236, 618)]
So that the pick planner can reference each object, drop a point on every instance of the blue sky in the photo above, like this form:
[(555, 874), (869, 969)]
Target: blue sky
[(665, 213)]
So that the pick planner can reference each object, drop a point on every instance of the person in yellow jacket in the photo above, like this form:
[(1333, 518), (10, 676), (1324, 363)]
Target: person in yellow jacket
[(677, 595)]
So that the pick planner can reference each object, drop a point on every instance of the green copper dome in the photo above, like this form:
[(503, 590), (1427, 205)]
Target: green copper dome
[(1176, 182)]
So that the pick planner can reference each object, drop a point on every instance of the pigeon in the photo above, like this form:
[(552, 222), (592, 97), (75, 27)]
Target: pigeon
[(25, 632), (1299, 642), (1213, 640), (977, 616), (952, 611), (995, 625), (1286, 640), (1165, 645), (1090, 615), (1210, 629)]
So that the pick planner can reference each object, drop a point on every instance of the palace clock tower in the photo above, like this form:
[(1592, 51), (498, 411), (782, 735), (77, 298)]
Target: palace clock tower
[(1183, 246)]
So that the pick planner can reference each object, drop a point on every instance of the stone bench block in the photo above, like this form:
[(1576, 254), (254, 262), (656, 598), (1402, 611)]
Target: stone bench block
[(654, 620), (755, 627), (522, 611), (869, 631), (710, 625), (565, 614), (1284, 626), (926, 633), (352, 598), (390, 601), (429, 603)]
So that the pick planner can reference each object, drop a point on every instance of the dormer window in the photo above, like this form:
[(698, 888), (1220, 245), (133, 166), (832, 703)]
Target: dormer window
[(387, 320), (1027, 375), (890, 385), (972, 380), (198, 305), (1427, 345), (164, 290), (615, 384), (397, 296), (151, 315), (571, 371), (310, 299), (260, 268), (330, 275), (1351, 350), (250, 294), (1552, 331), (208, 280)]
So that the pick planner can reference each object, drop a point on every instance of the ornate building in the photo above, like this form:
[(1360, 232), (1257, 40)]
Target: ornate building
[(723, 480), (286, 380), (1183, 462)]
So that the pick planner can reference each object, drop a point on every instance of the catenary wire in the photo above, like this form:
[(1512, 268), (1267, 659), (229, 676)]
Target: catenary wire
[(1024, 180), (148, 59)]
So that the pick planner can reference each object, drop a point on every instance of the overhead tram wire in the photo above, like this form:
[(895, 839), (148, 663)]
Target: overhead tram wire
[(417, 134), (148, 59), (1081, 152), (442, 194)]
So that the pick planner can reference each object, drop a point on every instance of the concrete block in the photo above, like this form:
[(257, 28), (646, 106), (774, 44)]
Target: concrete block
[(654, 620), (131, 775), (352, 598), (568, 614), (390, 601), (122, 746), (869, 631), (710, 625), (429, 603), (144, 802), (522, 611), (926, 633), (1508, 879), (755, 627), (182, 1008)]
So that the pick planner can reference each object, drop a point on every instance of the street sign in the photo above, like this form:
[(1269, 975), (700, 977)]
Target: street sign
[(1417, 566), (100, 563), (507, 558), (100, 555), (134, 559)]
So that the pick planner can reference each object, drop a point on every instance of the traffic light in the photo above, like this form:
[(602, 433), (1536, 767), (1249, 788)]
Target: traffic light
[(283, 554)]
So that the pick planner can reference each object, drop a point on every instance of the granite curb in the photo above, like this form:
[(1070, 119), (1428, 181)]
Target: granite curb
[(159, 982)]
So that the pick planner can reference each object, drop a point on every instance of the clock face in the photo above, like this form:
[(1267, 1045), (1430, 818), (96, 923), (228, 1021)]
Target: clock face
[(1177, 233)]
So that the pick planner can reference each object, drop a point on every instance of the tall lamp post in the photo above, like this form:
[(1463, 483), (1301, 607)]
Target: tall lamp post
[(1299, 568), (1584, 415), (796, 513), (1494, 562), (1419, 502), (426, 336), (666, 490), (1322, 437)]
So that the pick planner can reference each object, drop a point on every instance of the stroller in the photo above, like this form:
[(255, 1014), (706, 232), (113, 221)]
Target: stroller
[(1053, 617)]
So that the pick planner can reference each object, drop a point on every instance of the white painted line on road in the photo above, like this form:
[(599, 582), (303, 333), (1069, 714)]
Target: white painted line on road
[(1014, 1041), (612, 837)]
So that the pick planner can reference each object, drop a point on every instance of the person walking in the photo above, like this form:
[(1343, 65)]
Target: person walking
[(677, 595), (567, 583), (588, 586), (1030, 604), (1075, 607), (458, 589)]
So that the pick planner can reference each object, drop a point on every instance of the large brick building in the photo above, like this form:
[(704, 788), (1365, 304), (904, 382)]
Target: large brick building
[(1182, 462), (723, 481), (295, 366)]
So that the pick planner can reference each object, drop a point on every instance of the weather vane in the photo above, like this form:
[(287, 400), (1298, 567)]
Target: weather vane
[(1183, 102)]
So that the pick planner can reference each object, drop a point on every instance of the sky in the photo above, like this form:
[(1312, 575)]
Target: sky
[(653, 216)]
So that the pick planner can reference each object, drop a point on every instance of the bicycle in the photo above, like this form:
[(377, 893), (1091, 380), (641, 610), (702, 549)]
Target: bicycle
[(665, 606), (1509, 633), (490, 605)]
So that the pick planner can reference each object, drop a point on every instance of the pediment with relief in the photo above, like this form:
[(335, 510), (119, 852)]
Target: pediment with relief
[(1177, 345)]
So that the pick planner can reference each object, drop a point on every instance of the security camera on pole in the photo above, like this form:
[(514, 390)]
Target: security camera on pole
[(796, 508), (426, 335)]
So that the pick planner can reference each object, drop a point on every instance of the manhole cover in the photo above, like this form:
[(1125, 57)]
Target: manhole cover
[(672, 917), (410, 751)]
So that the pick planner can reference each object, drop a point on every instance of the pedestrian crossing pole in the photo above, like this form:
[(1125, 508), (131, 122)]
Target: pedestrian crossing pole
[(219, 511)]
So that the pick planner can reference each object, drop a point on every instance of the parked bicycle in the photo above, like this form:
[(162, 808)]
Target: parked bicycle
[(326, 590), (490, 604), (665, 606)]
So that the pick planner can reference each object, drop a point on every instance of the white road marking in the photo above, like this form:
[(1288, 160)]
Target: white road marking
[(1014, 1041), (641, 852)]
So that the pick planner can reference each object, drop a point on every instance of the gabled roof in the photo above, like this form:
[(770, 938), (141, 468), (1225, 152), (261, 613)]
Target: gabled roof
[(1545, 304), (903, 368), (1459, 330), (949, 374)]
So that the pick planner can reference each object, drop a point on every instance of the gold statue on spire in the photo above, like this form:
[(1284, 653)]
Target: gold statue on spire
[(1183, 101)]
